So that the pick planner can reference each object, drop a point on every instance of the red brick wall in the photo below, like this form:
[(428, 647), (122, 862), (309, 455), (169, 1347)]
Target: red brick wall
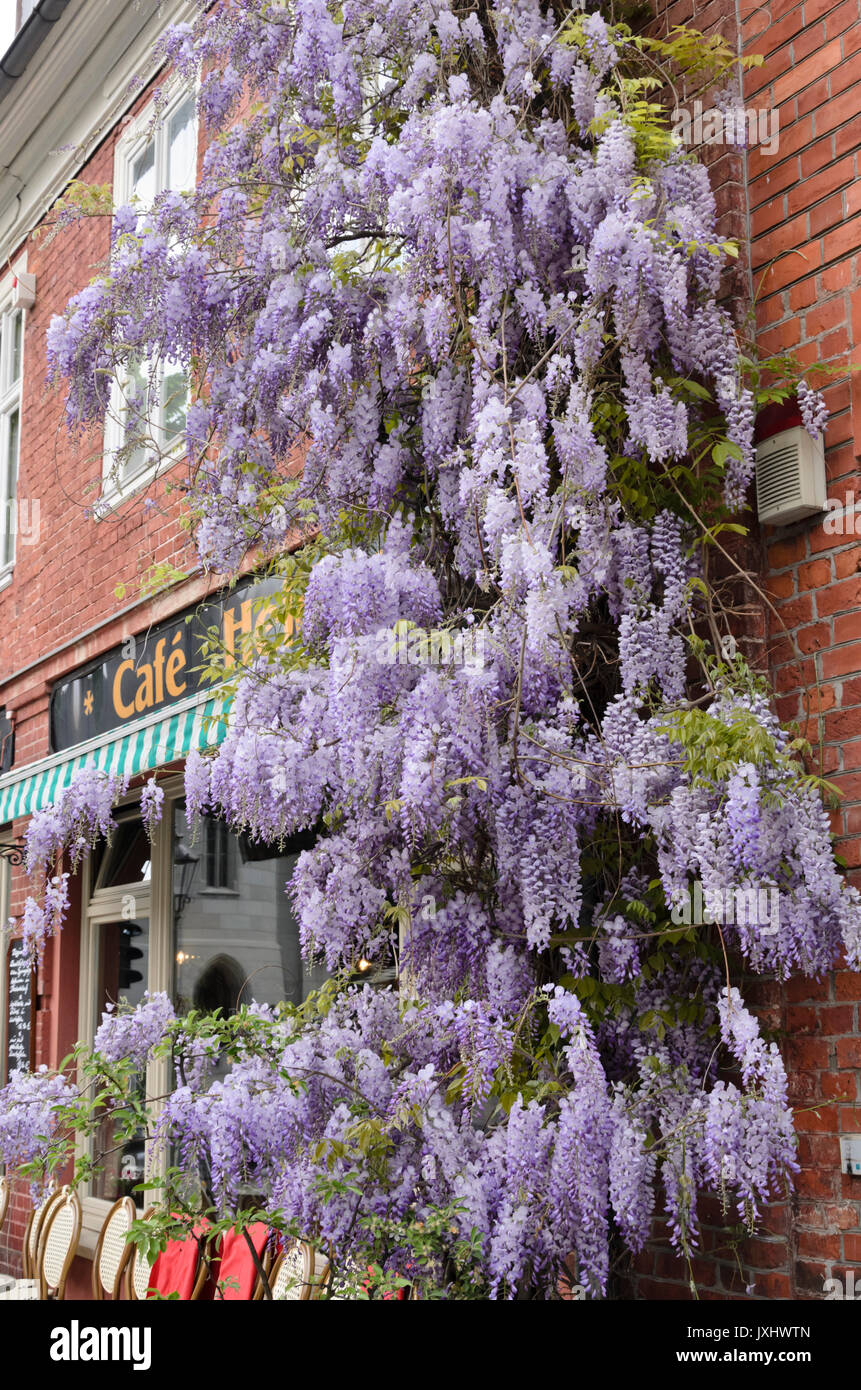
[(802, 198), (805, 197), (68, 581)]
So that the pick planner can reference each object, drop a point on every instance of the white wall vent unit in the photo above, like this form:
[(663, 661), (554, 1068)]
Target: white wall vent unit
[(790, 477), (23, 290), (850, 1154)]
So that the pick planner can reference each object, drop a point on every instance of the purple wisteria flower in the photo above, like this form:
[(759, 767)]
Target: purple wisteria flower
[(32, 1105), (134, 1033)]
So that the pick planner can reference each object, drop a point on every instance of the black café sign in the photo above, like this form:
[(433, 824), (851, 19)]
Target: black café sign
[(154, 670)]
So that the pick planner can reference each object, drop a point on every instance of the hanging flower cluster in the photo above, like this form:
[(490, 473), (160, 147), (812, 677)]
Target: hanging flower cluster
[(32, 1108), (132, 1035)]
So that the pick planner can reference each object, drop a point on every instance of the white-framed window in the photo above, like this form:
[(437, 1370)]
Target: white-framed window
[(151, 921), (11, 371), (146, 414)]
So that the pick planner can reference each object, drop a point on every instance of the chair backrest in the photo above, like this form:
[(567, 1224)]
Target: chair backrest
[(34, 1231), (179, 1268), (25, 1247), (4, 1200), (139, 1276), (138, 1269), (236, 1264), (298, 1273), (58, 1247), (112, 1249)]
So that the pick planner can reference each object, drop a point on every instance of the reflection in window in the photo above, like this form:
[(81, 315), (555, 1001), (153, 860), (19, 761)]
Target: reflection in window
[(143, 175), (234, 947), (127, 859), (180, 174), (220, 858)]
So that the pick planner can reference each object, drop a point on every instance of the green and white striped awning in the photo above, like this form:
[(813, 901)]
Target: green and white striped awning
[(148, 743)]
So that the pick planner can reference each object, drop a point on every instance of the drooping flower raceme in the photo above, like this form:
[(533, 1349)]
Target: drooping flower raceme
[(133, 1033), (32, 1105)]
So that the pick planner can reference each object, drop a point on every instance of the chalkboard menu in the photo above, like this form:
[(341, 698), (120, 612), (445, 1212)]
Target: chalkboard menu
[(20, 1004)]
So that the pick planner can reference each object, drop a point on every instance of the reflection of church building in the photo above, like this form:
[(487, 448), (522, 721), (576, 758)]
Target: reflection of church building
[(236, 936)]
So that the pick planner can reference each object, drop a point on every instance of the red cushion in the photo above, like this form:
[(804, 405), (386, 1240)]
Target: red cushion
[(236, 1262), (175, 1268)]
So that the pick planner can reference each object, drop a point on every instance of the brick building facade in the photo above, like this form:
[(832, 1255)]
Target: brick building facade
[(796, 212), (72, 597)]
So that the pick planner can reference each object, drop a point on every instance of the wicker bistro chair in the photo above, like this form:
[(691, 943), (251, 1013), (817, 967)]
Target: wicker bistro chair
[(9, 1286), (138, 1270), (35, 1220), (298, 1273), (59, 1244), (112, 1250), (234, 1270), (178, 1269)]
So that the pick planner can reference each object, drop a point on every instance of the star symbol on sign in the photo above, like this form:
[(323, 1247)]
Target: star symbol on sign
[(88, 702)]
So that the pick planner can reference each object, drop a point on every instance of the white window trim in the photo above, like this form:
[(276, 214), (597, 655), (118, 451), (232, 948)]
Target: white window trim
[(105, 906), (130, 144), (10, 400)]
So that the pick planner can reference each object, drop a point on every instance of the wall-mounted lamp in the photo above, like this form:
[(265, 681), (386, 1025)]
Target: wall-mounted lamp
[(187, 863)]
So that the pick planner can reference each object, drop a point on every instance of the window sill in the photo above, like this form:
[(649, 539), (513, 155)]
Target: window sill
[(113, 497), (115, 494)]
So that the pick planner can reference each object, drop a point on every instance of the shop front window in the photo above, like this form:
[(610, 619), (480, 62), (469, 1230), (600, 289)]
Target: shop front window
[(123, 953), (201, 914)]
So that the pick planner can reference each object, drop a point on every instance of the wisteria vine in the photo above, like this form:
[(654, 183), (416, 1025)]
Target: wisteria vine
[(448, 299)]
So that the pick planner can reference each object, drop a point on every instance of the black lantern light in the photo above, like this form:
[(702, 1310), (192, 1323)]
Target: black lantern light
[(187, 863)]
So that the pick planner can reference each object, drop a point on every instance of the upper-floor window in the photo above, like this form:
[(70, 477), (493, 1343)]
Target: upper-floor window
[(149, 400), (11, 352)]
